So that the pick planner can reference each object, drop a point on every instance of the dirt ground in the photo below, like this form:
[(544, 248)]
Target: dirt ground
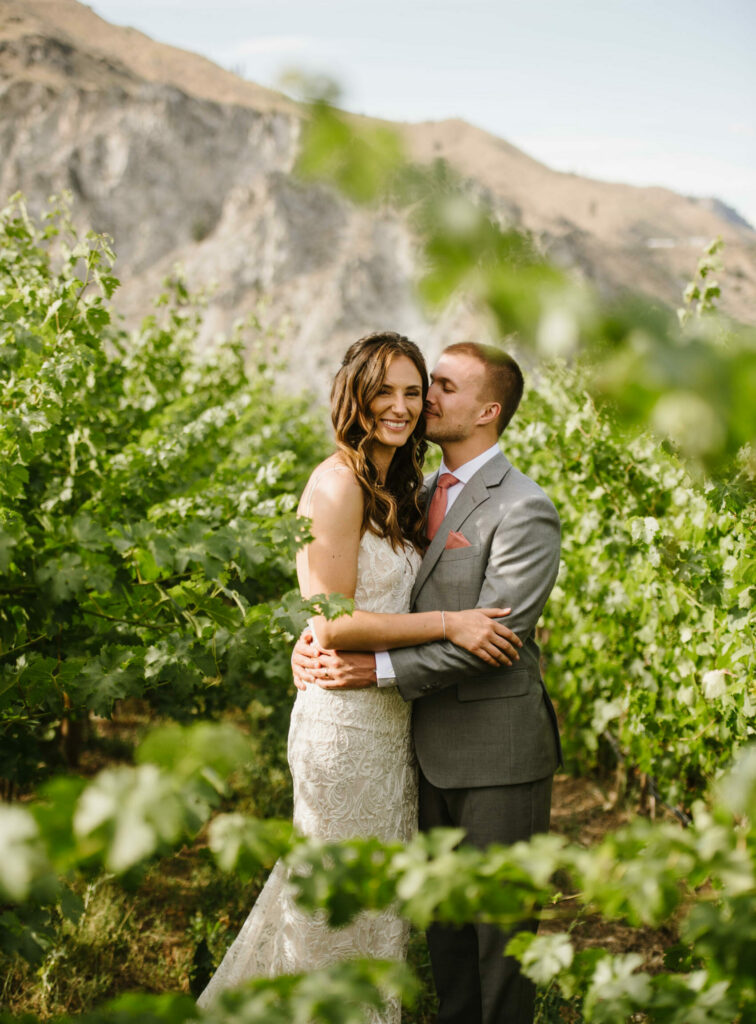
[(584, 811)]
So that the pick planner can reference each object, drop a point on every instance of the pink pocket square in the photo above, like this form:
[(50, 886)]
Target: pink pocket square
[(456, 540)]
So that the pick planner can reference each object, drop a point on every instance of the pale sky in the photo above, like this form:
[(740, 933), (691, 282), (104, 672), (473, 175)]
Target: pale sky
[(646, 92)]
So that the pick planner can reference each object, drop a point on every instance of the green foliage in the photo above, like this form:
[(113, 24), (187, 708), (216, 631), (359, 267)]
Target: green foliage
[(644, 873), (147, 492), (700, 295), (651, 629), (127, 816), (360, 163), (119, 821)]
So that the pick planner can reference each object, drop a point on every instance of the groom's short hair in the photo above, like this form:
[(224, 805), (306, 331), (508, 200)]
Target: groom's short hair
[(503, 379)]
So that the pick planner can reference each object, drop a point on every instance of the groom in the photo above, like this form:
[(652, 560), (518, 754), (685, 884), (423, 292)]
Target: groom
[(486, 738)]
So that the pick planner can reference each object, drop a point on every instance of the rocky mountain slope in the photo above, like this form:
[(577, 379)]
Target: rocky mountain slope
[(183, 162)]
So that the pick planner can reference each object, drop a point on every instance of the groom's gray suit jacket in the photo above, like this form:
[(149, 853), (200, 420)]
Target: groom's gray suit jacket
[(476, 725)]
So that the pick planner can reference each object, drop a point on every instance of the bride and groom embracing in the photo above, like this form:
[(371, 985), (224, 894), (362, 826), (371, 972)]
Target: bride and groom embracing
[(421, 706)]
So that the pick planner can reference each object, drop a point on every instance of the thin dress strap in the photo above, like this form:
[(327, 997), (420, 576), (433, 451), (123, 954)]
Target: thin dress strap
[(305, 506)]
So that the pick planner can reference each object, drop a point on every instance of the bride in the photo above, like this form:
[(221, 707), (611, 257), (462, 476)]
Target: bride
[(350, 751)]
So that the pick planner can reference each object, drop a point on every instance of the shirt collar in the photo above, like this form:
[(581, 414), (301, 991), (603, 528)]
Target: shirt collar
[(468, 469)]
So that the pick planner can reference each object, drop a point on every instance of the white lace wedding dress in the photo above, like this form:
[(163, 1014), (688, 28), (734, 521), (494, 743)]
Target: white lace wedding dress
[(354, 774)]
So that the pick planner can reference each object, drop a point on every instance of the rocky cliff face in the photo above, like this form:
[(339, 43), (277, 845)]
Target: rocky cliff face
[(183, 179), (182, 162), (152, 167)]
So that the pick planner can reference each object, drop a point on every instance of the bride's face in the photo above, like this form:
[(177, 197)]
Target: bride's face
[(398, 405)]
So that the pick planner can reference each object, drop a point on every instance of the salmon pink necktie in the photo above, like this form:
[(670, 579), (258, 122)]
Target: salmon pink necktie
[(437, 509)]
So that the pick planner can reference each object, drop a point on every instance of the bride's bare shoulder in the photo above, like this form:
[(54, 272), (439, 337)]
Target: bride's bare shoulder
[(332, 485)]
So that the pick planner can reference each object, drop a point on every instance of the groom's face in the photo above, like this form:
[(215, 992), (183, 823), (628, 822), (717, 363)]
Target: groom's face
[(454, 403)]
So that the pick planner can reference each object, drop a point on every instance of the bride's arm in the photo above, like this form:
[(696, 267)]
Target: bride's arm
[(336, 508)]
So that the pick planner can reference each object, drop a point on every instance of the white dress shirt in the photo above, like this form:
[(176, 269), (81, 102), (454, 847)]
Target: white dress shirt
[(384, 670)]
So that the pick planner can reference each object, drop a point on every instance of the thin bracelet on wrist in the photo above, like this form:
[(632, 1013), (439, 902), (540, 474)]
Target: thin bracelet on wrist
[(443, 626)]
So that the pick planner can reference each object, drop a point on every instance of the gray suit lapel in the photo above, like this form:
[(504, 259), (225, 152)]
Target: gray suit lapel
[(474, 493), (429, 486)]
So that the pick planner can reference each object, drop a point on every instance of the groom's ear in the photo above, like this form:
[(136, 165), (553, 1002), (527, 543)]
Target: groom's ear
[(491, 413)]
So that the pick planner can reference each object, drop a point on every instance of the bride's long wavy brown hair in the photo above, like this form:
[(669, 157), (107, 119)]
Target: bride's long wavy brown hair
[(393, 508)]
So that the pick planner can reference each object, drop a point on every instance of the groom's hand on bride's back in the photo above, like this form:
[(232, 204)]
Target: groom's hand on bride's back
[(345, 670), (304, 659), (333, 670)]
